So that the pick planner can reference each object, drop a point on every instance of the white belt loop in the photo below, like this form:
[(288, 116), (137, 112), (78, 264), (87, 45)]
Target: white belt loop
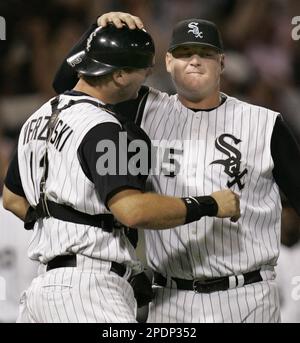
[(240, 280), (232, 281)]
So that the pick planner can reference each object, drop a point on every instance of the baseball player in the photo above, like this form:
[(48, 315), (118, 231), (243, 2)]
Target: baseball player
[(68, 182), (216, 271)]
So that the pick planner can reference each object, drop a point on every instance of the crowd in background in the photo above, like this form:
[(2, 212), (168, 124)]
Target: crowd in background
[(262, 62)]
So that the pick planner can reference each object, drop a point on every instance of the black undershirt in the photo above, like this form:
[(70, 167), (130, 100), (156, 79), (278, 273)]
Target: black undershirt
[(13, 180)]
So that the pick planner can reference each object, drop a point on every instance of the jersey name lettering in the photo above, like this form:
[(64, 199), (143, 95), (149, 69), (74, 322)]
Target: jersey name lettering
[(36, 129)]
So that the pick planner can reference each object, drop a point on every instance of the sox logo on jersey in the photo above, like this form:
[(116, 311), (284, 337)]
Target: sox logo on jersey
[(233, 162)]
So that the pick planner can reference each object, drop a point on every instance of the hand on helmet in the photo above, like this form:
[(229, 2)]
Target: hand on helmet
[(119, 19)]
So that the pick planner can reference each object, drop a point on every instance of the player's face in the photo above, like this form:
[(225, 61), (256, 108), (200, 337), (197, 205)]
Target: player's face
[(135, 79), (195, 70)]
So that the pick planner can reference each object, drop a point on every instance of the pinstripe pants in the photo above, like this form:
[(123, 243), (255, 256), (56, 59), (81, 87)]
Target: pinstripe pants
[(254, 303), (70, 295)]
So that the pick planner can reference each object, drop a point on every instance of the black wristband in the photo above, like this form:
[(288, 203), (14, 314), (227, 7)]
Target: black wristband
[(198, 207)]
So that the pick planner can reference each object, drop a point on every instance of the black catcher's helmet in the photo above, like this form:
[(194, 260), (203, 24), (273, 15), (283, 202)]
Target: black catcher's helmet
[(109, 48)]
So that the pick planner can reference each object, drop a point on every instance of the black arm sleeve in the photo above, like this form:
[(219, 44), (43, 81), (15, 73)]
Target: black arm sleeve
[(13, 179), (286, 156), (109, 184), (65, 77)]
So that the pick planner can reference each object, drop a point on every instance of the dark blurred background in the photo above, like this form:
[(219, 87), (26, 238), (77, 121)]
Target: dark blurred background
[(262, 60)]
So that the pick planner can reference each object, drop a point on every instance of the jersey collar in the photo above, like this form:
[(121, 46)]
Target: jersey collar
[(72, 92), (223, 99)]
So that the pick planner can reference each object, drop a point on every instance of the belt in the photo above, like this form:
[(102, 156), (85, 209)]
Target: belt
[(71, 261), (211, 285)]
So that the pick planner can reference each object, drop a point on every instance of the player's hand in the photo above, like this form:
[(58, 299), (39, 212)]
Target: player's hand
[(228, 204), (119, 19)]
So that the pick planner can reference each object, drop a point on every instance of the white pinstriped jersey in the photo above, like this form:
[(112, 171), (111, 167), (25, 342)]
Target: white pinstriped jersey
[(67, 184), (211, 150)]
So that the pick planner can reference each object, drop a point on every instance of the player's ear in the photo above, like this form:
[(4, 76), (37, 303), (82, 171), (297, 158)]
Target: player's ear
[(168, 61), (119, 77)]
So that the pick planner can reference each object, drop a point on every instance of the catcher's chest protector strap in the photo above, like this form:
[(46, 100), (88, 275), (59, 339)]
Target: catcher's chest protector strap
[(46, 208)]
